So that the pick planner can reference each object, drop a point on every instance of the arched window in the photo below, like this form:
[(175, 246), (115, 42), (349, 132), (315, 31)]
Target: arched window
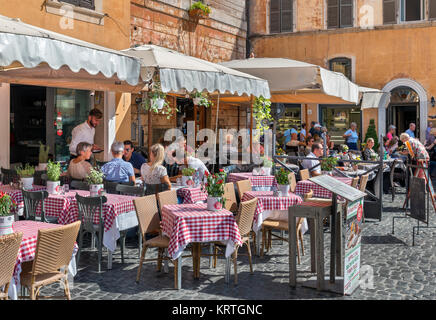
[(281, 16), (342, 65)]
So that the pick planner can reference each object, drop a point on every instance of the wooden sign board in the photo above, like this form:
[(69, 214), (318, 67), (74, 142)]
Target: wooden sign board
[(418, 201), (338, 187)]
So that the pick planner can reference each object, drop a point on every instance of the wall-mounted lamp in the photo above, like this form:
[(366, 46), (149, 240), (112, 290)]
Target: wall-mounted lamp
[(433, 102)]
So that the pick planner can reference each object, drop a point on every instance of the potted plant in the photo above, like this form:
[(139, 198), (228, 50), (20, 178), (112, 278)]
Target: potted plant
[(95, 182), (53, 174), (43, 156), (199, 10), (7, 206), (155, 100), (201, 99), (26, 175), (328, 164), (282, 182), (215, 190), (187, 176)]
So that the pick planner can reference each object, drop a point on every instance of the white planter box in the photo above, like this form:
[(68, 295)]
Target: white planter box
[(53, 187), (283, 189), (27, 183), (187, 181), (96, 190), (6, 225), (214, 204)]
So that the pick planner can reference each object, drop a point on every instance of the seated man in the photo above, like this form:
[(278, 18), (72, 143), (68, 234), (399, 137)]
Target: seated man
[(118, 170), (317, 151), (134, 158), (191, 162)]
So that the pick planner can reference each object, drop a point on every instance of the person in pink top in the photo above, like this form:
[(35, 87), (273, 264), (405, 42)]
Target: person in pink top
[(391, 132)]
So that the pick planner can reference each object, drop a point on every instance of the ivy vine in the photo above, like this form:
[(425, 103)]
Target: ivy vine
[(262, 113)]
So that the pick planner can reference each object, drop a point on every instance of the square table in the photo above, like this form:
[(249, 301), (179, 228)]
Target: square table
[(193, 223), (28, 249), (304, 186), (258, 183), (119, 214)]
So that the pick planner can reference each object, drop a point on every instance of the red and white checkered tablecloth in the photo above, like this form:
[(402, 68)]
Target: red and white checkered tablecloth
[(192, 195), (186, 223), (267, 202), (256, 181), (318, 192), (115, 205), (17, 195)]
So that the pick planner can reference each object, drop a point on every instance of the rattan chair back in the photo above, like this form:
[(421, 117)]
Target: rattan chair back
[(167, 197), (243, 186), (292, 181), (354, 182), (89, 207), (9, 247), (130, 190), (79, 185), (147, 214), (32, 201), (54, 248), (9, 175), (230, 197), (304, 174), (244, 219), (363, 182)]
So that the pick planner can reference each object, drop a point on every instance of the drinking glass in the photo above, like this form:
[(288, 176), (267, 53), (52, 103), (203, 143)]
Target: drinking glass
[(66, 188)]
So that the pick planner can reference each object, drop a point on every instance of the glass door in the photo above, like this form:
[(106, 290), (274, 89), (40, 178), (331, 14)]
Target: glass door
[(71, 108)]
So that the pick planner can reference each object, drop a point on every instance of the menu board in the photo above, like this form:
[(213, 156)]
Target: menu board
[(352, 244)]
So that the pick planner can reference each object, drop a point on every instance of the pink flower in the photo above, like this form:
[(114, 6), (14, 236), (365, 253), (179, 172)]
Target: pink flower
[(218, 205)]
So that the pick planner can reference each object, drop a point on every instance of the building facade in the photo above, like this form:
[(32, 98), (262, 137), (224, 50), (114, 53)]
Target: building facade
[(383, 44), (33, 110), (220, 37)]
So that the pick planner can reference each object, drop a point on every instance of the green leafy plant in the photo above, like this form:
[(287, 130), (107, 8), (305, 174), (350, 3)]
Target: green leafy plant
[(95, 176), (152, 96), (344, 148), (187, 172), (282, 177), (214, 185), (372, 133), (53, 171), (202, 7), (203, 100), (328, 164), (43, 153), (26, 172), (262, 113), (6, 205), (267, 162)]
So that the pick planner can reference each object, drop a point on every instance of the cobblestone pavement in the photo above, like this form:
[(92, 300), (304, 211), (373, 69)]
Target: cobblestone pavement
[(400, 270)]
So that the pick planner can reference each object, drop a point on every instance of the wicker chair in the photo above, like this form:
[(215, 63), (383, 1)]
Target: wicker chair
[(79, 185), (148, 219), (230, 197), (363, 182), (244, 219), (354, 182), (54, 250), (243, 186), (34, 200), (9, 175), (9, 248), (88, 208), (304, 174), (166, 197)]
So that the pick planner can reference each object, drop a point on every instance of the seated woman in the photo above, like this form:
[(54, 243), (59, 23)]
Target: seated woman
[(368, 152), (153, 172), (79, 168), (118, 170)]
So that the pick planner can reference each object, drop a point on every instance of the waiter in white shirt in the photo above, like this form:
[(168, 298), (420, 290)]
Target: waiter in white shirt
[(85, 132)]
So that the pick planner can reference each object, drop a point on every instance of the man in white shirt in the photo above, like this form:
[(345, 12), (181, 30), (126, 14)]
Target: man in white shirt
[(317, 152), (85, 132)]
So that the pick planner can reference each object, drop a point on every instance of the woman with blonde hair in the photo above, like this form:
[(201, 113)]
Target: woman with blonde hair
[(153, 172), (368, 152)]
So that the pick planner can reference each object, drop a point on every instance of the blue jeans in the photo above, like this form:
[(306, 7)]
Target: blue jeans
[(352, 145), (431, 168)]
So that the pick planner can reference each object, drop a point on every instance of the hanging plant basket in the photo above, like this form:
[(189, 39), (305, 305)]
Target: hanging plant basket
[(198, 14)]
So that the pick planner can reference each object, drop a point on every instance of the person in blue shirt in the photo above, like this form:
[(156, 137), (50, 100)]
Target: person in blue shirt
[(136, 159), (411, 130), (118, 170), (290, 134), (351, 136)]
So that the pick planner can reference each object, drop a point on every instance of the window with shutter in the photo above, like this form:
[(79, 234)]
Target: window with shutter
[(89, 4), (333, 14), (346, 17), (339, 14), (432, 9), (342, 65), (286, 16), (389, 12), (73, 2), (281, 16), (274, 17), (413, 10)]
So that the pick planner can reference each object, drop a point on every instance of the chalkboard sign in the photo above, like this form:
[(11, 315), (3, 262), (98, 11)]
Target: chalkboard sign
[(338, 187), (417, 201)]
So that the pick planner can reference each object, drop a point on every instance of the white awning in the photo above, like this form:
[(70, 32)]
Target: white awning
[(179, 72), (371, 98), (300, 82), (26, 46)]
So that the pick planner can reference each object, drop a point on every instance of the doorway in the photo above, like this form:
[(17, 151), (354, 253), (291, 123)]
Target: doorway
[(402, 115)]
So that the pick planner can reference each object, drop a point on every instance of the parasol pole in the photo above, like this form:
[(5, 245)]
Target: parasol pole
[(216, 126)]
